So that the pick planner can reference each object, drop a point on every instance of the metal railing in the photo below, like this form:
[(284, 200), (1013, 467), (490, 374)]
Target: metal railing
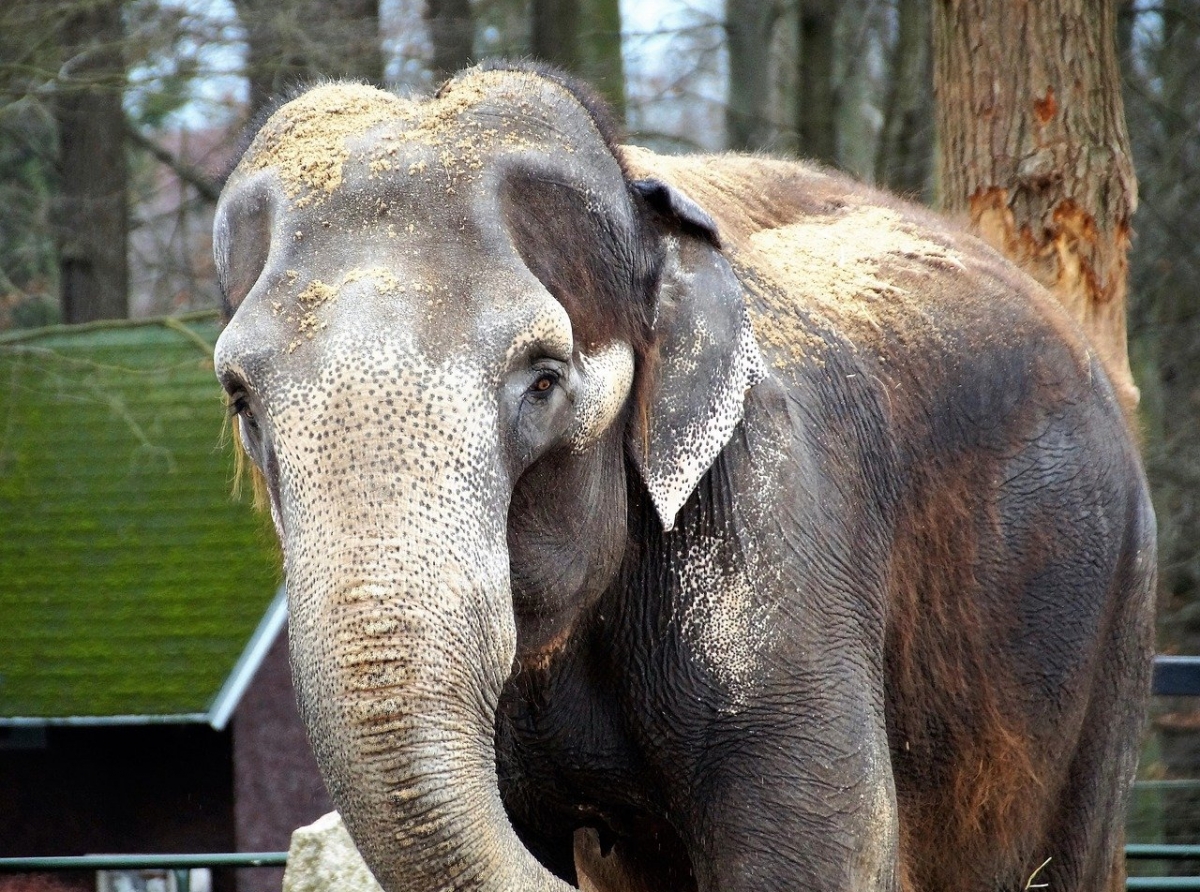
[(1159, 852), (179, 865), (1173, 676), (1176, 676)]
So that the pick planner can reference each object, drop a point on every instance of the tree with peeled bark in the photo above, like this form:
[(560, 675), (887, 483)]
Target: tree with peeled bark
[(1034, 149)]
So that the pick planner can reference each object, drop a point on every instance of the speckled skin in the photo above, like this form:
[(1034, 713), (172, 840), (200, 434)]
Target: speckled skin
[(627, 533)]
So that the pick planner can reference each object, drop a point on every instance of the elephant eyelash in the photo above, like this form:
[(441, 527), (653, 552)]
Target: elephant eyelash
[(237, 404)]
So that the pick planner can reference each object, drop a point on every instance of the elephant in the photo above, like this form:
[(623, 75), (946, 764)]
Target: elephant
[(707, 523)]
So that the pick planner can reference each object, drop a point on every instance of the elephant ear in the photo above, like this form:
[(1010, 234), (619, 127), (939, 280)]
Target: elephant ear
[(706, 360)]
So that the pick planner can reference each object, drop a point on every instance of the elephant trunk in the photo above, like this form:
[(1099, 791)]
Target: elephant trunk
[(399, 652)]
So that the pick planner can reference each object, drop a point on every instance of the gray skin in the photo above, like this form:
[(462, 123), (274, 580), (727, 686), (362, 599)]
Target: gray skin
[(585, 576)]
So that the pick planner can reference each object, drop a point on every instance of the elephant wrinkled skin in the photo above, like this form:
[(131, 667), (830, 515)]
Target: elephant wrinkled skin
[(694, 523)]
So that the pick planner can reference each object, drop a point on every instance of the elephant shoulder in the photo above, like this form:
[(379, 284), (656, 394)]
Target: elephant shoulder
[(844, 280), (819, 253)]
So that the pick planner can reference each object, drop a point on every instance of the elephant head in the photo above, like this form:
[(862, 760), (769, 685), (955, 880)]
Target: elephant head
[(459, 338)]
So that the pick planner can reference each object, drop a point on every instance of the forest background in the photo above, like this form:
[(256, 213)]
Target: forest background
[(119, 118)]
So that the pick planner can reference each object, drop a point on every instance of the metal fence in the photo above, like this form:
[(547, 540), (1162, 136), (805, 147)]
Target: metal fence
[(1173, 676), (179, 865)]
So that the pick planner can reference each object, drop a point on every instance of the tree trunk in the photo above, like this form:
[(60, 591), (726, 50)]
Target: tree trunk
[(904, 156), (92, 217), (452, 31), (1034, 149), (584, 38), (600, 51), (293, 42), (554, 32), (748, 30), (816, 95)]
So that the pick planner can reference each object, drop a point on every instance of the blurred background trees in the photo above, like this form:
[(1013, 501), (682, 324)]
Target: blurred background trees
[(118, 119)]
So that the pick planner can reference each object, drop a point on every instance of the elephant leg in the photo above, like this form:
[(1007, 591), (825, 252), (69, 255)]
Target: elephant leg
[(1085, 838), (1082, 847), (811, 806)]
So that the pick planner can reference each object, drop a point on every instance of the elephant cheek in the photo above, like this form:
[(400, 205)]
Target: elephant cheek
[(603, 382)]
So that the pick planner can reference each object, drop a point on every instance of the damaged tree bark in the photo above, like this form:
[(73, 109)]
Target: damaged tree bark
[(1035, 151)]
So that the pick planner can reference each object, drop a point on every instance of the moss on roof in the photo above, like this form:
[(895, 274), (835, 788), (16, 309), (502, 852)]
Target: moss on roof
[(130, 580)]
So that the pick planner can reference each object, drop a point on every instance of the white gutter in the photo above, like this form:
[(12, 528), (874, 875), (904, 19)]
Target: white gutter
[(221, 710), (22, 721)]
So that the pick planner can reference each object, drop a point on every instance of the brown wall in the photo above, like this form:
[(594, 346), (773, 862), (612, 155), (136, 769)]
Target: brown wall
[(277, 784), (166, 788), (137, 789)]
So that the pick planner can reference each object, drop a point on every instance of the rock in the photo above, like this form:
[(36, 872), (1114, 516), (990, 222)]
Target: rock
[(322, 858)]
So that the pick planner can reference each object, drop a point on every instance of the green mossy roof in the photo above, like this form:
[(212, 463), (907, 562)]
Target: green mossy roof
[(130, 579)]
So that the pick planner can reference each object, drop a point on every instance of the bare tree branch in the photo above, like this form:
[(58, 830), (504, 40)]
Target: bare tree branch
[(209, 189)]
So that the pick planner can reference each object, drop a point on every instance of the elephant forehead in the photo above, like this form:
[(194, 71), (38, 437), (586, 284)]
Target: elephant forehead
[(305, 141), (453, 136), (545, 326), (495, 320)]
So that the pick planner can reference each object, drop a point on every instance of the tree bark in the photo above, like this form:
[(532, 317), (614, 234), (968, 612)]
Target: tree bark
[(816, 94), (600, 51), (584, 38), (749, 25), (91, 213), (903, 159), (554, 32), (292, 42), (452, 31), (1035, 150)]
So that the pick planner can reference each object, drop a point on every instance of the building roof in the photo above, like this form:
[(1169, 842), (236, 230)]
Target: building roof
[(132, 584)]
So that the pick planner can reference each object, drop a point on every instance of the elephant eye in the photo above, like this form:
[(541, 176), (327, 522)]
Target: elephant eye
[(239, 406), (544, 382)]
